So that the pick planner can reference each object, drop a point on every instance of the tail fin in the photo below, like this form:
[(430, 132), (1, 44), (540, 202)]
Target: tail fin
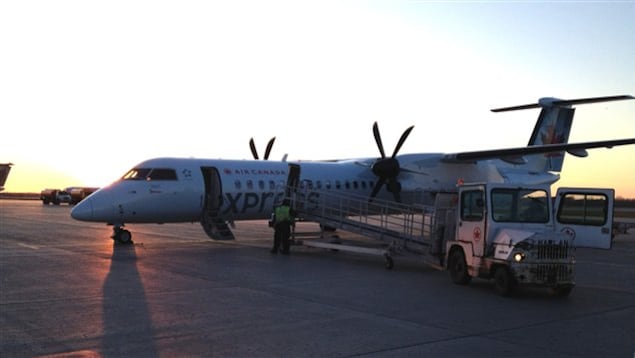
[(4, 173), (553, 127)]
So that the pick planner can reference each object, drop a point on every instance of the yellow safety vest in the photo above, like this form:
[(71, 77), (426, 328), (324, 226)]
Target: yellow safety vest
[(282, 214)]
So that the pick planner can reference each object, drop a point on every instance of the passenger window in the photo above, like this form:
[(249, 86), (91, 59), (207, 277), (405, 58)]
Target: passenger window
[(272, 185), (318, 184), (338, 185), (261, 184), (347, 185), (355, 185), (250, 184), (328, 185), (363, 184), (237, 184)]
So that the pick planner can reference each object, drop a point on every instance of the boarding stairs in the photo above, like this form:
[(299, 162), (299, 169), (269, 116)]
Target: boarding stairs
[(215, 226), (400, 228)]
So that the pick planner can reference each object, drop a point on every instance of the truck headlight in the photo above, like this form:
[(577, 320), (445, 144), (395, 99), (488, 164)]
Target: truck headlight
[(519, 256)]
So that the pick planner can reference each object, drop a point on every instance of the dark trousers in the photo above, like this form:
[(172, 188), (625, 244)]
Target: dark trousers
[(281, 236)]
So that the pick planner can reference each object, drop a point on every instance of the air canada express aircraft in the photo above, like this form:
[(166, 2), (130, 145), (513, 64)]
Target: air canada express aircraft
[(215, 191)]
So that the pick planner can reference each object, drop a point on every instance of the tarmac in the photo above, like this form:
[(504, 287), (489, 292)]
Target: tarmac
[(68, 290)]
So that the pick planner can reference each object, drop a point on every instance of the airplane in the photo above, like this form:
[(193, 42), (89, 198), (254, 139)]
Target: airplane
[(216, 192), (4, 174)]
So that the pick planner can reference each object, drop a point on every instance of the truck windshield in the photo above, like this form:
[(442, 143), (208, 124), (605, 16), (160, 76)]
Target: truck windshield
[(520, 205)]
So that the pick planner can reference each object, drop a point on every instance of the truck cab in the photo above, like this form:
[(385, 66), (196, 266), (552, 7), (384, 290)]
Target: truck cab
[(55, 196), (519, 235)]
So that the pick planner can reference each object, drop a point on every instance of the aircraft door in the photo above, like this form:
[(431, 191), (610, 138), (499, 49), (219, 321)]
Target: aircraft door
[(586, 215), (292, 180), (213, 199), (472, 216)]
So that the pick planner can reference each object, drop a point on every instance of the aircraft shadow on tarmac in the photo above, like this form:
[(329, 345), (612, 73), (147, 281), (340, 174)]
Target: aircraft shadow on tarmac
[(124, 301)]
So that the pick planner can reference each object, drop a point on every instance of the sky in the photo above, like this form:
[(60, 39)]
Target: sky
[(90, 88)]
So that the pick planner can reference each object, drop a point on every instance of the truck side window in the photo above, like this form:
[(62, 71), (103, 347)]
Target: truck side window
[(472, 205), (583, 209)]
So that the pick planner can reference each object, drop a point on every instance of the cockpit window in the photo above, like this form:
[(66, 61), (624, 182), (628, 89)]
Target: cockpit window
[(162, 174), (150, 174), (136, 174)]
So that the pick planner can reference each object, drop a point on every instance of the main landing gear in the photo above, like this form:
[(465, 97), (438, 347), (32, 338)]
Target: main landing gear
[(122, 235)]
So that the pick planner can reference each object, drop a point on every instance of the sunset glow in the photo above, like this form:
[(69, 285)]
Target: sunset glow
[(89, 89)]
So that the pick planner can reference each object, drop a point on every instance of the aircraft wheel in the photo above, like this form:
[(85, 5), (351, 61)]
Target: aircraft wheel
[(327, 228), (504, 282), (124, 236), (389, 264), (562, 291), (458, 268)]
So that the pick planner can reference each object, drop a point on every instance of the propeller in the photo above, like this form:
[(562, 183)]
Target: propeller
[(387, 169), (252, 146)]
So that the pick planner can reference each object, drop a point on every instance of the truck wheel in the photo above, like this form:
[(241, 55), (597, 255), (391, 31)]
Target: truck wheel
[(504, 282), (458, 268), (562, 291)]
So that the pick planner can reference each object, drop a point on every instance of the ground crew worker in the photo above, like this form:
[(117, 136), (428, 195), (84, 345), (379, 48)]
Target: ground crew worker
[(282, 220)]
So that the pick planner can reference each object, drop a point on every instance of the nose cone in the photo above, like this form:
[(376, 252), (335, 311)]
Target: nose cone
[(83, 211)]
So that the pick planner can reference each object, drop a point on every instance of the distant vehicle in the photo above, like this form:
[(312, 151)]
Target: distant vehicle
[(79, 193), (55, 196)]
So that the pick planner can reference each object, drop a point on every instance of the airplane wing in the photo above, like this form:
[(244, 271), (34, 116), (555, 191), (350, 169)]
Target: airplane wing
[(515, 155)]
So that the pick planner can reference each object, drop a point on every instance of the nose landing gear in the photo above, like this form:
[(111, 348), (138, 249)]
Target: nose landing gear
[(122, 235)]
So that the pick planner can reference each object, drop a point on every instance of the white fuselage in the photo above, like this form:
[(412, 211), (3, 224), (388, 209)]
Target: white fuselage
[(249, 189)]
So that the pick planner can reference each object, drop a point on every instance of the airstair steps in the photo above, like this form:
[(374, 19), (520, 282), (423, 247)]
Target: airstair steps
[(216, 227), (404, 228)]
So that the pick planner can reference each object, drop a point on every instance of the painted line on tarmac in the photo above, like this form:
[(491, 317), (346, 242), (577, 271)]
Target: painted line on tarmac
[(32, 247)]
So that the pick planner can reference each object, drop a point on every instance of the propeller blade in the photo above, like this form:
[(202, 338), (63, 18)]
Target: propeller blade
[(378, 186), (252, 146), (378, 140), (387, 169), (405, 135), (269, 146), (395, 188), (397, 196)]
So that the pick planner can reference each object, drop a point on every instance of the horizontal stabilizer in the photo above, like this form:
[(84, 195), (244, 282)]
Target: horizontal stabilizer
[(546, 102), (506, 154)]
